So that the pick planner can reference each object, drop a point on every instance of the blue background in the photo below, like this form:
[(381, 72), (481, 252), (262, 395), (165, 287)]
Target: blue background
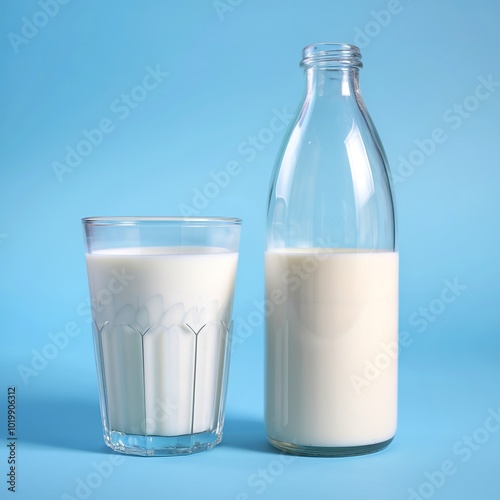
[(232, 65)]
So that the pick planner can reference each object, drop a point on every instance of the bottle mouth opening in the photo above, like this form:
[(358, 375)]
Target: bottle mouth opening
[(331, 55)]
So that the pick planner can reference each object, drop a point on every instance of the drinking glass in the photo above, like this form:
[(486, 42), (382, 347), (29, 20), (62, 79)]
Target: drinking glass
[(161, 292)]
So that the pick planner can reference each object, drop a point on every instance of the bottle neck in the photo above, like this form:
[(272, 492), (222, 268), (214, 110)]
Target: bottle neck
[(332, 82)]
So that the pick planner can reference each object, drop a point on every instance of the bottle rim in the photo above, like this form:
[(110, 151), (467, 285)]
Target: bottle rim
[(331, 55)]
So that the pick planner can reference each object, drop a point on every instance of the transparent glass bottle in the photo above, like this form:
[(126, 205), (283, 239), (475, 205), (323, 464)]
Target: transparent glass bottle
[(331, 272)]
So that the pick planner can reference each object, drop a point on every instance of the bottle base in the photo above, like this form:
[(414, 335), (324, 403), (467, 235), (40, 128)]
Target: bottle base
[(329, 451), (150, 446)]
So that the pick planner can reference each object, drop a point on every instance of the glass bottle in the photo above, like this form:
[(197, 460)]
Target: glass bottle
[(331, 272)]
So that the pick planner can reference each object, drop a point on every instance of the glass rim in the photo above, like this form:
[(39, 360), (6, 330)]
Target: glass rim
[(171, 220)]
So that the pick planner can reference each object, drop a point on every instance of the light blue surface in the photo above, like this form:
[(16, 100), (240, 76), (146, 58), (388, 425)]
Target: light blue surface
[(232, 65)]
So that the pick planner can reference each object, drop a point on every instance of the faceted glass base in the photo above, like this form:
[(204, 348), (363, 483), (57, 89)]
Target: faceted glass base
[(325, 451), (150, 446)]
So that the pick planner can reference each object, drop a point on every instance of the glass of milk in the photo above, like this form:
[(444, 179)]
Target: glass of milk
[(161, 291)]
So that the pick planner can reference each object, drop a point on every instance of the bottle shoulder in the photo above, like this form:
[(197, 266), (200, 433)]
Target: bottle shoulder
[(332, 178)]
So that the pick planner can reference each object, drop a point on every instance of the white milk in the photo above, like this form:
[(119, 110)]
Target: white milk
[(161, 316), (333, 312)]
